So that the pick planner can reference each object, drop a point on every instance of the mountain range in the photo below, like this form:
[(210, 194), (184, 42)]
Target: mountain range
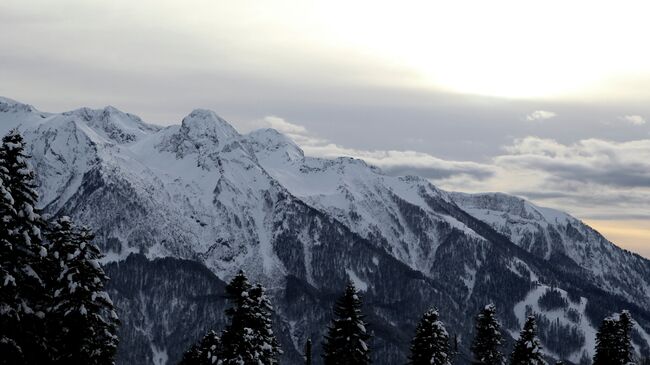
[(178, 210)]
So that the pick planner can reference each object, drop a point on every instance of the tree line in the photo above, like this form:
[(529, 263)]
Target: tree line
[(53, 307), (249, 339)]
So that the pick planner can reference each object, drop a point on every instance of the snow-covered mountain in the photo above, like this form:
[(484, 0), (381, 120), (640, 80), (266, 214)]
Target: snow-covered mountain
[(200, 193), (557, 236)]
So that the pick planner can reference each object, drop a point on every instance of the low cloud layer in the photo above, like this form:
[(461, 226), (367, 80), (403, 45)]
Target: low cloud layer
[(591, 178), (394, 162), (592, 161), (540, 115), (634, 119)]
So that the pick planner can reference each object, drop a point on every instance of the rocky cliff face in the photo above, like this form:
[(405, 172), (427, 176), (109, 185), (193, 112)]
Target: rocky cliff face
[(179, 210)]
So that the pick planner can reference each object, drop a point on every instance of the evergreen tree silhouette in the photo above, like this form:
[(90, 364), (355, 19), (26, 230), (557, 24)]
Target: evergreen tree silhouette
[(249, 338), (308, 352), (346, 340), (83, 318), (606, 342), (624, 348), (527, 349), (487, 339), (23, 260), (430, 346), (206, 352)]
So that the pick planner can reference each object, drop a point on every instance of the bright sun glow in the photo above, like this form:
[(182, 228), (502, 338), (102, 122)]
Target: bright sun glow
[(502, 48), (506, 48)]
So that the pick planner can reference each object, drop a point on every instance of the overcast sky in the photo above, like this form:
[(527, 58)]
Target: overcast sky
[(548, 100)]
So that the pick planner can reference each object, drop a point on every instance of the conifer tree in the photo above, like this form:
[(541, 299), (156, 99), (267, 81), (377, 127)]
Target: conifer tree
[(9, 305), (430, 346), (23, 295), (248, 339), (606, 341), (623, 345), (265, 342), (527, 349), (308, 352), (192, 356), (235, 340), (345, 342), (487, 339), (83, 317), (614, 342), (206, 352)]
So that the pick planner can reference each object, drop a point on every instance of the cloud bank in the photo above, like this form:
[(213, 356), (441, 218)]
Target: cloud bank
[(634, 119), (540, 115), (591, 178)]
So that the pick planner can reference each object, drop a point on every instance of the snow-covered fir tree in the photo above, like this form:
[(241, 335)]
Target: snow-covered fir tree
[(606, 342), (84, 322), (623, 346), (487, 339), (527, 349), (192, 356), (206, 352), (249, 338), (430, 345), (262, 326), (346, 339), (236, 341), (308, 352), (23, 294), (9, 300)]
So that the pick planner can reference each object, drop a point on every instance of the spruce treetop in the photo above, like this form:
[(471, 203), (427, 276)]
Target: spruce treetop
[(85, 318), (487, 339), (624, 347), (345, 342), (23, 258), (527, 349), (606, 343), (430, 345), (249, 337), (206, 352)]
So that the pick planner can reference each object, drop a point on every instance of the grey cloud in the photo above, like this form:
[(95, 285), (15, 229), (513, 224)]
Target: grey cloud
[(602, 162), (540, 115), (634, 119), (440, 172), (586, 197), (539, 195), (589, 178), (392, 162), (624, 175)]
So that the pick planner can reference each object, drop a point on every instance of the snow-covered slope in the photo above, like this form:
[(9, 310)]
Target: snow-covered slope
[(396, 213), (189, 191), (15, 113), (554, 235), (203, 192)]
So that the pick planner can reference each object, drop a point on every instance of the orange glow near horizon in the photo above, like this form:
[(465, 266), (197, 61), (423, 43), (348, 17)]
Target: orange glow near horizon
[(633, 235)]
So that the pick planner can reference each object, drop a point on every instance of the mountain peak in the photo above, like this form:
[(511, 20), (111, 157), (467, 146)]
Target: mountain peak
[(202, 124), (11, 105), (269, 139), (113, 124), (202, 131)]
